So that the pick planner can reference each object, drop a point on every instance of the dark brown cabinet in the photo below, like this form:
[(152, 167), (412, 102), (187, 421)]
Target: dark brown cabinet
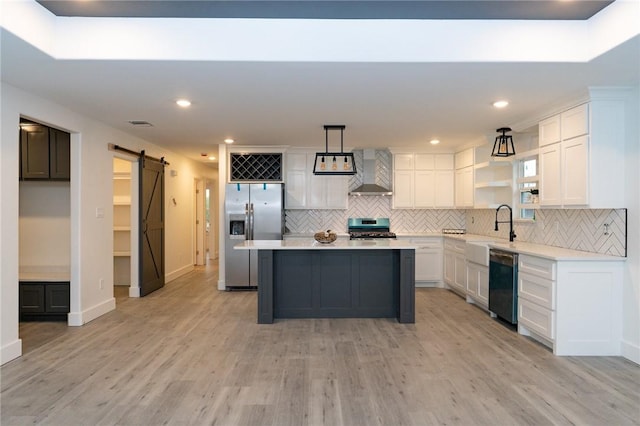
[(44, 301), (44, 153)]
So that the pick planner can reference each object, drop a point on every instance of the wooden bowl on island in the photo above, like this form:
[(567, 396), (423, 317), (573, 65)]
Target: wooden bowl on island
[(325, 237)]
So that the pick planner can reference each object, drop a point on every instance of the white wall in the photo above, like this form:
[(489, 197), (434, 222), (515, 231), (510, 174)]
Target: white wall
[(90, 188), (45, 225), (631, 289)]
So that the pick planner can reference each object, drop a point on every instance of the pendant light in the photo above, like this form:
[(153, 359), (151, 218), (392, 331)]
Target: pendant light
[(503, 146), (334, 163)]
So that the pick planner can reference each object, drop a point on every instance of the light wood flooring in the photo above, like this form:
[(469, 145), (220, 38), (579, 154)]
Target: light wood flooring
[(189, 354)]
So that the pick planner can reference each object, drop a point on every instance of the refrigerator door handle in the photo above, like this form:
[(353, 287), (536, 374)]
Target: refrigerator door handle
[(247, 222), (251, 220)]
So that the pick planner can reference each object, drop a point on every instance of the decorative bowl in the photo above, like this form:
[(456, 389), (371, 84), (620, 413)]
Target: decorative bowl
[(325, 237)]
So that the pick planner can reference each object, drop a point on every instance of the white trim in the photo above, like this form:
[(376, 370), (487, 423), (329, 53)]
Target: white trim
[(630, 351), (221, 285), (134, 291), (80, 318), (11, 351), (177, 273)]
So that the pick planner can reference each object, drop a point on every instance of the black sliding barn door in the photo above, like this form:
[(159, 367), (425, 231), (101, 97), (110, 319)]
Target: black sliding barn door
[(151, 224)]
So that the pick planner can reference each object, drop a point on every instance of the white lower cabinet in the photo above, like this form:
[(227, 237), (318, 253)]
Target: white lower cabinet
[(428, 272), (572, 306), (478, 284), (428, 261), (455, 270)]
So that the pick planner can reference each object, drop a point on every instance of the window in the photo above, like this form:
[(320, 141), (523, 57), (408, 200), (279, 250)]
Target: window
[(528, 186)]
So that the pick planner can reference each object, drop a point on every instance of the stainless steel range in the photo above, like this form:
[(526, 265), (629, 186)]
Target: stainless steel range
[(363, 228)]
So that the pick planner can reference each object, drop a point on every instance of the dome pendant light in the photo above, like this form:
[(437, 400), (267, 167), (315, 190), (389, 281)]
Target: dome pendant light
[(503, 146)]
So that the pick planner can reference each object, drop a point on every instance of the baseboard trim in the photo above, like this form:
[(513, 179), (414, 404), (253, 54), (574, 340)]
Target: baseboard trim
[(11, 351), (134, 291), (631, 351), (76, 319), (221, 285), (178, 273)]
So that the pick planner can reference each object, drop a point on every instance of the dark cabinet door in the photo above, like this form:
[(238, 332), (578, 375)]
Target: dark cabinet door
[(59, 154), (31, 298), (44, 152), (57, 298), (34, 151)]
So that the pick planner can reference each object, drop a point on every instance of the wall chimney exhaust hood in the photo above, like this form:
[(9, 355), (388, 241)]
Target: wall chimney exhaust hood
[(369, 186)]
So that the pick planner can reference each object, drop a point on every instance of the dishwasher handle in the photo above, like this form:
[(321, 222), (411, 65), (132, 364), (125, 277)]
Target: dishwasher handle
[(503, 257)]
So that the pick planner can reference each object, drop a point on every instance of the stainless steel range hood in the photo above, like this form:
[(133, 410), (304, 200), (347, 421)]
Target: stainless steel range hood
[(369, 186)]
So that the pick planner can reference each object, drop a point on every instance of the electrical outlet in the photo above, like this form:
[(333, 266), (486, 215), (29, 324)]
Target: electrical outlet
[(101, 283), (473, 219)]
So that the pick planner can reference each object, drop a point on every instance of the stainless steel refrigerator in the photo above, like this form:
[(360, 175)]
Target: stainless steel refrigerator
[(253, 211)]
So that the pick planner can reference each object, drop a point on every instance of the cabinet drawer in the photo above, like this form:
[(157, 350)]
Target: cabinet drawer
[(536, 318), (537, 290), (538, 266), (455, 245)]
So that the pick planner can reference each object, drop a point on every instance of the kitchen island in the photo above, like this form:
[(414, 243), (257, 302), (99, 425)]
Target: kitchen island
[(342, 279)]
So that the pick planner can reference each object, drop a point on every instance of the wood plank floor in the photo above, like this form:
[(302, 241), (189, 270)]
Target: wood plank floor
[(191, 355)]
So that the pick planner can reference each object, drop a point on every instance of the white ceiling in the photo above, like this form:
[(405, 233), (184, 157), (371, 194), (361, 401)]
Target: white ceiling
[(382, 104)]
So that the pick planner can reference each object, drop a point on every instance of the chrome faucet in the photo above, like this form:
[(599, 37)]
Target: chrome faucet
[(512, 235)]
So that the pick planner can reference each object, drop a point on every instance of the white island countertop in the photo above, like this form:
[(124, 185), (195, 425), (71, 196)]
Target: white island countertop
[(311, 244)]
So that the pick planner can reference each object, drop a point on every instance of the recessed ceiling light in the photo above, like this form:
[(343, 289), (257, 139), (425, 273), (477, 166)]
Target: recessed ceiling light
[(500, 104), (229, 140), (211, 157), (183, 102), (434, 141)]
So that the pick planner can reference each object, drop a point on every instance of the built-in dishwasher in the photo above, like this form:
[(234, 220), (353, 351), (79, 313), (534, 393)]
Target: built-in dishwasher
[(503, 284)]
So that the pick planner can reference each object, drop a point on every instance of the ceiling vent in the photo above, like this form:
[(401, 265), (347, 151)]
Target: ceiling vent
[(140, 123)]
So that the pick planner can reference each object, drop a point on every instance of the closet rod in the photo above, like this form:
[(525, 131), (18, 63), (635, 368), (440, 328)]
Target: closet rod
[(137, 154)]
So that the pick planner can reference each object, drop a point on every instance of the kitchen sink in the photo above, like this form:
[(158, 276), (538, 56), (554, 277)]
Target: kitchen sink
[(477, 252)]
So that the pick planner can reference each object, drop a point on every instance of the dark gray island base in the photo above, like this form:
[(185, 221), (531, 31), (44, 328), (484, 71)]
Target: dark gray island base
[(336, 284)]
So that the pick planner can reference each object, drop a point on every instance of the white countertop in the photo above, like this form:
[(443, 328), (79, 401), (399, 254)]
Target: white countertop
[(47, 273), (553, 253), (311, 244)]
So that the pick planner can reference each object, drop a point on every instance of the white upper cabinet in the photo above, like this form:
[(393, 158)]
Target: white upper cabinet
[(423, 181), (304, 190), (464, 158), (296, 181), (549, 130), (464, 187), (464, 179), (586, 167), (574, 122), (575, 171)]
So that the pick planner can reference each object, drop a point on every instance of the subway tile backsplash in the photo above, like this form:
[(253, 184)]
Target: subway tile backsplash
[(577, 229), (309, 221), (569, 228)]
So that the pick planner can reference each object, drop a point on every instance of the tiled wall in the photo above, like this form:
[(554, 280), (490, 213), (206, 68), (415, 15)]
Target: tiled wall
[(568, 228), (309, 221)]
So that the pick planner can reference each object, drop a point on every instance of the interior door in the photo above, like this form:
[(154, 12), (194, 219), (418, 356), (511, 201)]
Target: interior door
[(151, 225)]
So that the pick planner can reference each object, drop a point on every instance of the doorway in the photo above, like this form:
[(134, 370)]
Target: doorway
[(125, 227), (200, 223)]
